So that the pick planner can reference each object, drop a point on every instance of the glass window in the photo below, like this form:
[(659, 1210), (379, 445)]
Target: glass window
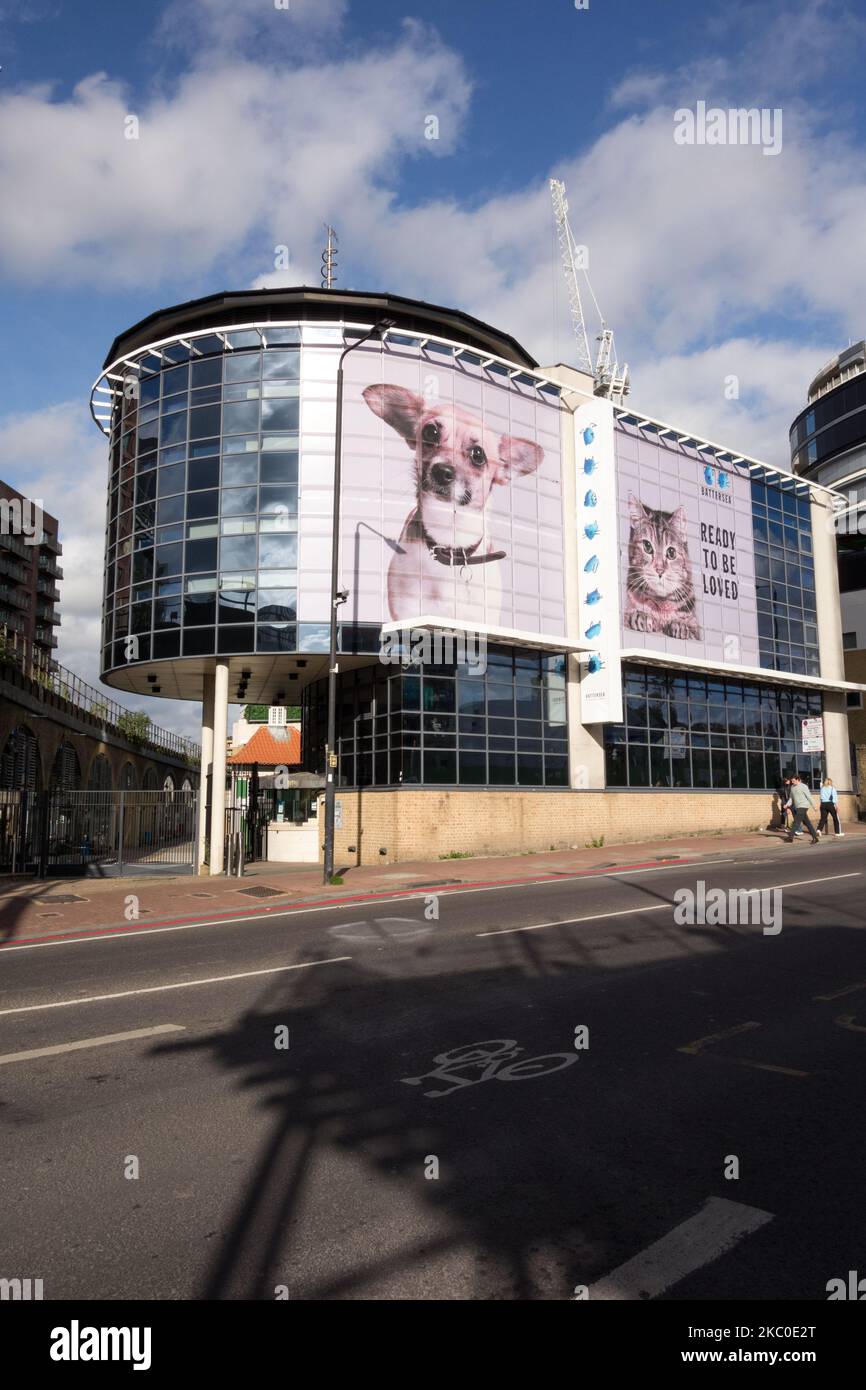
[(274, 638), (277, 605), (238, 552), (170, 510), (175, 379), (172, 428), (201, 555), (277, 551), (204, 421), (207, 373), (201, 504), (169, 560), (171, 480), (278, 499), (238, 501), (236, 605), (278, 415), (279, 467), (240, 417), (243, 366), (240, 469), (281, 366), (204, 473)]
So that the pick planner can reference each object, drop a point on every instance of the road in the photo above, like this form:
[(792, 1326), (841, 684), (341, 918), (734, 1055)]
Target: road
[(213, 1154)]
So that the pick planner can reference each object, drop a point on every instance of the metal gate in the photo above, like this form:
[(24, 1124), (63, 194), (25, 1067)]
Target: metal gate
[(20, 825), (100, 833)]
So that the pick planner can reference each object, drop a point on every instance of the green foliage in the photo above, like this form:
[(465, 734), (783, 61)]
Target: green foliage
[(456, 854), (134, 725), (595, 844), (256, 714)]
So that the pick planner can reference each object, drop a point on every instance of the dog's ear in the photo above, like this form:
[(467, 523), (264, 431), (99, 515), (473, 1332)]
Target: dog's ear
[(399, 408), (516, 456)]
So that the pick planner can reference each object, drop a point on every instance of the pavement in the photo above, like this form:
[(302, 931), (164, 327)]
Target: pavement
[(319, 1102), (31, 909)]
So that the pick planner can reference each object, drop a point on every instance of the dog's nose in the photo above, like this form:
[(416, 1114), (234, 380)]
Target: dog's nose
[(442, 474)]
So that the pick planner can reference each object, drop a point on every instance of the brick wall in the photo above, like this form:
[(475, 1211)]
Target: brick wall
[(425, 823)]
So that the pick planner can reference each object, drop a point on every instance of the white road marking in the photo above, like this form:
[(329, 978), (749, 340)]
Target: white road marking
[(712, 1232), (91, 1042), (847, 1021), (353, 906), (637, 911), (573, 921), (849, 989), (276, 916), (694, 1048), (160, 989)]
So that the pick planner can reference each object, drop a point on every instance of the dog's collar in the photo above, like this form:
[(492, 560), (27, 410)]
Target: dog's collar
[(461, 555)]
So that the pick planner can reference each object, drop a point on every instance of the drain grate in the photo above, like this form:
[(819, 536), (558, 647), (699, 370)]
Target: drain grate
[(200, 895), (262, 892), (50, 914), (435, 883), (62, 898)]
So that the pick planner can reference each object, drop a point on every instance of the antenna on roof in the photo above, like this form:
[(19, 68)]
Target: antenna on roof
[(329, 259)]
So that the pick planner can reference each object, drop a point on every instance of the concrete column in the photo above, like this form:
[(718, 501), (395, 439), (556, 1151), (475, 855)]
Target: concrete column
[(837, 756), (585, 741), (218, 797), (206, 761), (828, 603), (827, 600)]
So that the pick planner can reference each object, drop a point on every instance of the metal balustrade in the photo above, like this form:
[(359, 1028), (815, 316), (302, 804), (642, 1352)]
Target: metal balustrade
[(63, 684)]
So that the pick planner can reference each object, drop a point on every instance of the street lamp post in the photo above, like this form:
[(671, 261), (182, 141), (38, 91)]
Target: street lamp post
[(337, 598)]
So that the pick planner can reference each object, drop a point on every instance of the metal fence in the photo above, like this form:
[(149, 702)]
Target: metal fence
[(64, 685), (102, 833)]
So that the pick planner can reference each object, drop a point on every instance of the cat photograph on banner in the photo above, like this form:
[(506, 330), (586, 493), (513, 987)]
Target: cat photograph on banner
[(659, 590)]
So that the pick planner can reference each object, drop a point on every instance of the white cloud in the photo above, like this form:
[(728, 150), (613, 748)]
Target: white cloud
[(238, 159), (257, 26)]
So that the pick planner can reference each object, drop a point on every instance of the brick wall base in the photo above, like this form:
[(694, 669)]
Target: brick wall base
[(425, 824)]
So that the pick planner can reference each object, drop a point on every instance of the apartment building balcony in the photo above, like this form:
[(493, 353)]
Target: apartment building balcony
[(46, 589), (13, 597), (16, 545), (10, 568), (44, 637), (50, 543), (11, 620), (48, 566)]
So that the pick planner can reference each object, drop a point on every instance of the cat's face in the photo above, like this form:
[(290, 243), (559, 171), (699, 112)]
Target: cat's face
[(658, 551)]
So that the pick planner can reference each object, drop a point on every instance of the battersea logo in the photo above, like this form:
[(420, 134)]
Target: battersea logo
[(717, 477), (77, 1343)]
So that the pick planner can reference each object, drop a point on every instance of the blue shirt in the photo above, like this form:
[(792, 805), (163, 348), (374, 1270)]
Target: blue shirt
[(829, 794)]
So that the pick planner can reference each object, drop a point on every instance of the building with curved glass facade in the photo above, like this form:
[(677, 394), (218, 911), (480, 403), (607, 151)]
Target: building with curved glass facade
[(582, 559), (828, 444)]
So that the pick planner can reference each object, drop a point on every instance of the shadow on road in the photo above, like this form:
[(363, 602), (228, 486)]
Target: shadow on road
[(538, 1162)]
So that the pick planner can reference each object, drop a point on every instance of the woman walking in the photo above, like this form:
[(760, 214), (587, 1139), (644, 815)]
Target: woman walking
[(829, 807)]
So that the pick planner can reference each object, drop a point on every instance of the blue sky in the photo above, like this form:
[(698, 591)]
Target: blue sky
[(258, 125)]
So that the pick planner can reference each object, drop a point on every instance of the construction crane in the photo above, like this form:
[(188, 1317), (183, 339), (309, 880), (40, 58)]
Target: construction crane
[(608, 380)]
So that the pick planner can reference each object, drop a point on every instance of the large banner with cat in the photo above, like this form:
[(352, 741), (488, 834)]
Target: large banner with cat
[(687, 560)]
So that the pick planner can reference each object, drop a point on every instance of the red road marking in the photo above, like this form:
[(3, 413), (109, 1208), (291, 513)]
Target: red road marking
[(341, 902)]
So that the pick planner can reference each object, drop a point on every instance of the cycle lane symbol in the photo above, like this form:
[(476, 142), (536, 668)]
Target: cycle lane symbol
[(494, 1059)]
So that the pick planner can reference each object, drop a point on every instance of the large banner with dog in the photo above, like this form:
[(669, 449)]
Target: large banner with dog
[(687, 570), (452, 494)]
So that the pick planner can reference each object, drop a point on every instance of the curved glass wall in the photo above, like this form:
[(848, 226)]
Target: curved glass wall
[(834, 423), (201, 544)]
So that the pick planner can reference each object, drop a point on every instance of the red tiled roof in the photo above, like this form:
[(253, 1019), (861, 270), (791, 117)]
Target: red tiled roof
[(270, 747)]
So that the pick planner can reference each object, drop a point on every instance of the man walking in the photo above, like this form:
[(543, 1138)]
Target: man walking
[(801, 802)]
